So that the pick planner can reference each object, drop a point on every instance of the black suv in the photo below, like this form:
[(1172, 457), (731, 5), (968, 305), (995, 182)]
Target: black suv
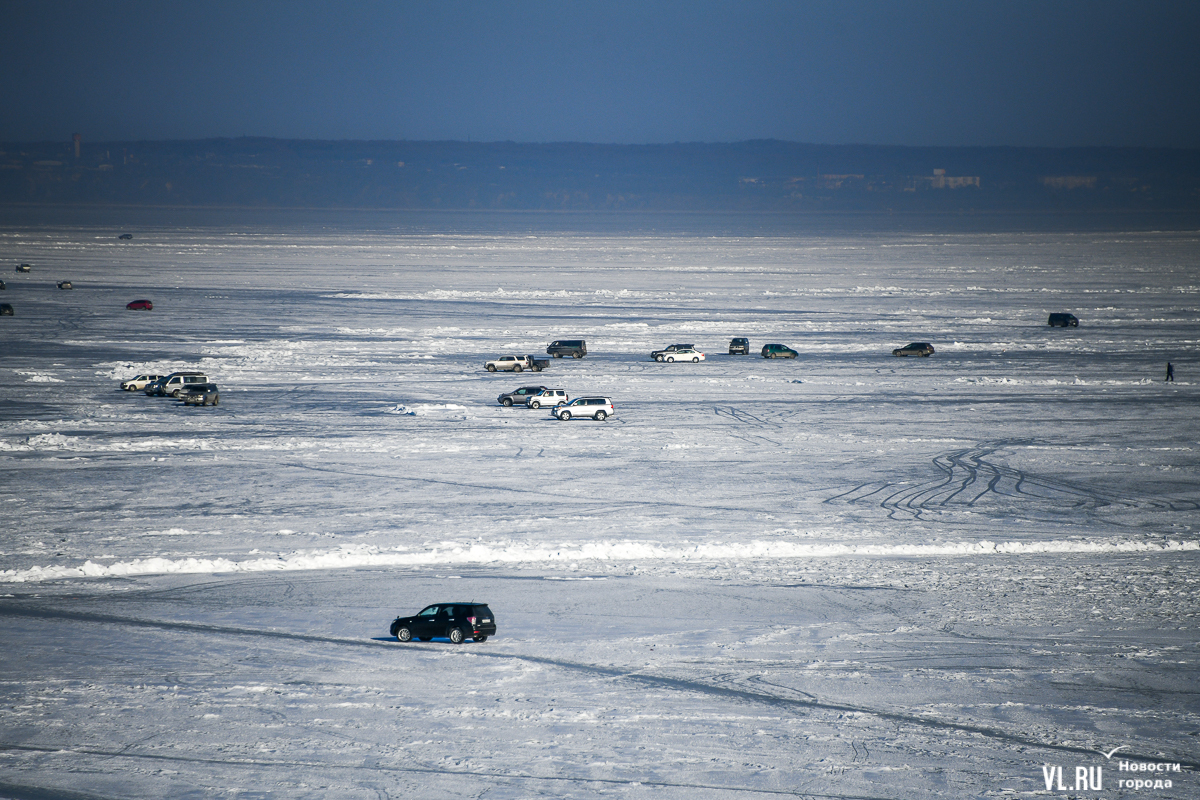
[(739, 346), (453, 621), (1064, 321), (575, 348), (201, 394)]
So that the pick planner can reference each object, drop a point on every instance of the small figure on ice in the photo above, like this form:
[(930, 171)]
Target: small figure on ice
[(1170, 373)]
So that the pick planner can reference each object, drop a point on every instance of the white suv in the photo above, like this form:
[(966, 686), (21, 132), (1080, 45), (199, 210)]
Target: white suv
[(548, 397), (598, 408)]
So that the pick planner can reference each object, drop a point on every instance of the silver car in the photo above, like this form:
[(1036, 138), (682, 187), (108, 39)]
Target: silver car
[(519, 396)]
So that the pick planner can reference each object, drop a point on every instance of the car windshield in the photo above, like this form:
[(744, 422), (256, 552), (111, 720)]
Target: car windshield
[(428, 612)]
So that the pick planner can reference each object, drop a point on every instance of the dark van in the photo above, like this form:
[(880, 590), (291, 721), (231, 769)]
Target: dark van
[(1064, 321), (575, 348)]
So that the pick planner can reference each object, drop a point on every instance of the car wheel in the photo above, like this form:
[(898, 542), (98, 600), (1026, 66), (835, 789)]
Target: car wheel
[(517, 368), (507, 402), (216, 400), (480, 637), (670, 359), (695, 360), (576, 355), (600, 416), (456, 636), (491, 368), (404, 634), (659, 359), (175, 393), (564, 415), (558, 355), (535, 404), (536, 368)]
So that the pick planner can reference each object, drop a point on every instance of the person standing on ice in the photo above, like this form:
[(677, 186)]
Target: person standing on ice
[(1170, 373)]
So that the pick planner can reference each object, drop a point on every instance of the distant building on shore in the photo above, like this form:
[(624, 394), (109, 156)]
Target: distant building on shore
[(1069, 181), (940, 180)]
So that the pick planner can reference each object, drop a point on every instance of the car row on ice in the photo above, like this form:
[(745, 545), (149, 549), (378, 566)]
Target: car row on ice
[(192, 388), (6, 309)]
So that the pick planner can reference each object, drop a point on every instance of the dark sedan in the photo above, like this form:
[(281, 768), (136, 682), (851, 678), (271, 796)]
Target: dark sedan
[(778, 351), (914, 349)]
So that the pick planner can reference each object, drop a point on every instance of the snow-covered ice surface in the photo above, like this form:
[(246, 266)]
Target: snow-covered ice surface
[(848, 575)]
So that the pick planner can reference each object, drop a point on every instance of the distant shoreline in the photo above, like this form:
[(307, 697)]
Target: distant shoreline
[(138, 218), (757, 177)]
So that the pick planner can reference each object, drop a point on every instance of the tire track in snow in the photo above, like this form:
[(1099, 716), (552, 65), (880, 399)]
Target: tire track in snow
[(745, 418), (606, 503), (663, 682), (970, 478), (32, 793)]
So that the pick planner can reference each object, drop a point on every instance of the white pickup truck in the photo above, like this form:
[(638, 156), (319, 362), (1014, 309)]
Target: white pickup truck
[(516, 364)]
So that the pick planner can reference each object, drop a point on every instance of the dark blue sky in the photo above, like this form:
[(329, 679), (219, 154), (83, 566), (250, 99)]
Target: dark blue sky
[(910, 73)]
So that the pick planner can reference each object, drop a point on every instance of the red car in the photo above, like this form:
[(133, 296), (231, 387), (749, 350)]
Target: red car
[(140, 305)]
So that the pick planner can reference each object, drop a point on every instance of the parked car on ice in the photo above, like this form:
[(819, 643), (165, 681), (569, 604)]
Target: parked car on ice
[(65, 285), (739, 346), (6, 310), (2, 286), (686, 354), (914, 349), (598, 408), (519, 396), (140, 305), (778, 351), (516, 364), (453, 621), (575, 348), (174, 383), (1064, 321), (201, 394), (548, 397), (125, 236), (23, 268), (671, 349), (139, 382)]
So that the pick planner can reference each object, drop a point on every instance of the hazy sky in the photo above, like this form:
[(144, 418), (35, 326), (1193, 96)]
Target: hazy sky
[(940, 72)]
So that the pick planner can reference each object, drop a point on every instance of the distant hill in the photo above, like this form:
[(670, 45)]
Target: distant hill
[(745, 176)]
